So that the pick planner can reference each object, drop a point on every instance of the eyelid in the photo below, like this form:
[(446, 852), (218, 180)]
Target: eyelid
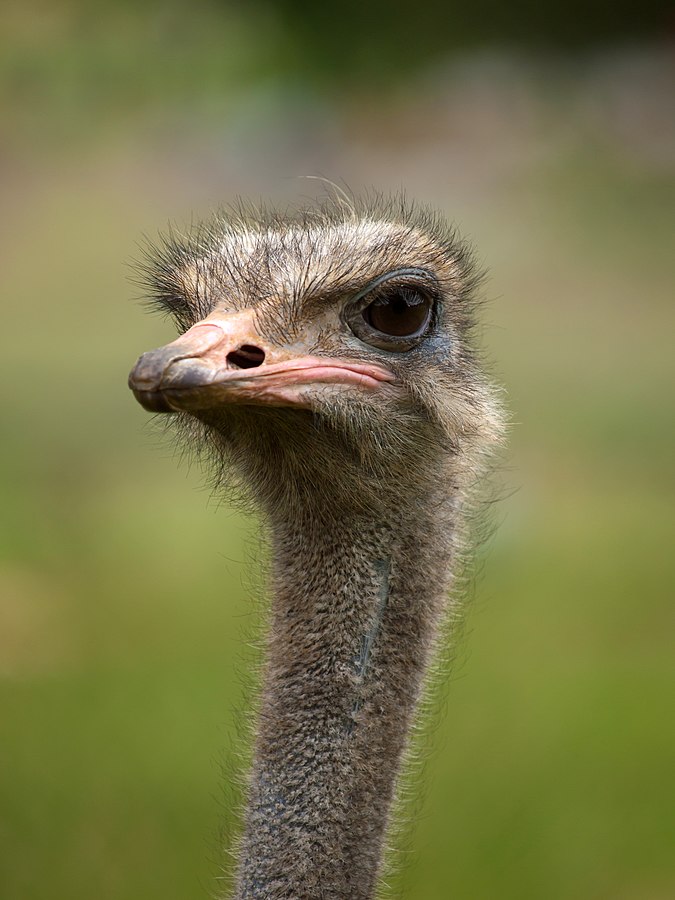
[(397, 273)]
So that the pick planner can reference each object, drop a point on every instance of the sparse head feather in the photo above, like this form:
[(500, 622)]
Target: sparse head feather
[(305, 250)]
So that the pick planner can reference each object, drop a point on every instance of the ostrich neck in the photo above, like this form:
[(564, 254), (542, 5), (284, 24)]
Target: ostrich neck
[(354, 616)]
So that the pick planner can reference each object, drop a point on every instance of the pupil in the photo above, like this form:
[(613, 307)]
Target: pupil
[(397, 317)]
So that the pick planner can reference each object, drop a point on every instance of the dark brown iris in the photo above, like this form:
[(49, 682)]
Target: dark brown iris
[(401, 313)]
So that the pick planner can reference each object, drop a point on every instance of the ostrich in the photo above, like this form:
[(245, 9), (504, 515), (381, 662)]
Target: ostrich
[(325, 358)]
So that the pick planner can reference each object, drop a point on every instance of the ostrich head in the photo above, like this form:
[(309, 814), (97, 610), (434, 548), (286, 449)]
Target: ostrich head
[(330, 348)]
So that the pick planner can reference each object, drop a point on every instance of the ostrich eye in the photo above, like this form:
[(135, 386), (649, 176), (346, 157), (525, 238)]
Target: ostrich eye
[(400, 313), (392, 317)]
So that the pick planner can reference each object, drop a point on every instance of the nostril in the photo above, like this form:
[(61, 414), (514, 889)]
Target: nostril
[(246, 357)]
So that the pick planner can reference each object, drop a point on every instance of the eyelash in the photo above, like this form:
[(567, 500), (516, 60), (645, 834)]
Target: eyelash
[(419, 280)]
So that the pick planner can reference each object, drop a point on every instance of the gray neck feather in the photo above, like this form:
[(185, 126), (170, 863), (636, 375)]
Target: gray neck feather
[(354, 617)]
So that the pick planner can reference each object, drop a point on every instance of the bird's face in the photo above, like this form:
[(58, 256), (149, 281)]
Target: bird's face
[(358, 327)]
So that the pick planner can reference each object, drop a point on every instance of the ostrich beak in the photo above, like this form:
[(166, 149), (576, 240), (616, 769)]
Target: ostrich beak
[(223, 360)]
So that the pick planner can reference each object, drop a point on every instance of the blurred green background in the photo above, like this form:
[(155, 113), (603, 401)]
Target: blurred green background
[(125, 589)]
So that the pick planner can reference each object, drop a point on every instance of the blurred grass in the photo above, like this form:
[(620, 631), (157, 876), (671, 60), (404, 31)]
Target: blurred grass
[(124, 597)]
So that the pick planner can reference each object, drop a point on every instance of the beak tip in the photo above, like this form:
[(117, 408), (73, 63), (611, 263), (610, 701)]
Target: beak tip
[(152, 401), (145, 375)]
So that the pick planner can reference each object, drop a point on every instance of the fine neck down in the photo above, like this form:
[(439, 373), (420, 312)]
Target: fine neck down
[(354, 617)]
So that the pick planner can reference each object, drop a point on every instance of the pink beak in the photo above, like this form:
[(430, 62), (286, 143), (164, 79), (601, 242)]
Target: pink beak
[(223, 360)]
